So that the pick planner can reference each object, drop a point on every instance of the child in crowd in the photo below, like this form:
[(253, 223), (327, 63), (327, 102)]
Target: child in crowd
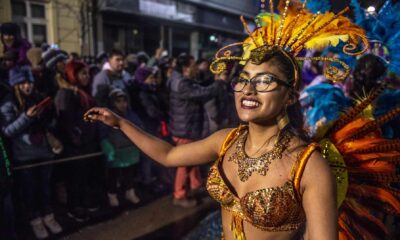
[(121, 154)]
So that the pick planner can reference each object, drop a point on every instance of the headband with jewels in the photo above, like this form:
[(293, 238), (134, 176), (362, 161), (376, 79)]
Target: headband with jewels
[(293, 30)]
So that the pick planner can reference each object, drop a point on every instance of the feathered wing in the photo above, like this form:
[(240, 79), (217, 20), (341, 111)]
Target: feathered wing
[(364, 163)]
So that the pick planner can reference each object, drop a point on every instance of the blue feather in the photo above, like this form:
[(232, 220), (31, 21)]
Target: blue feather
[(393, 46), (318, 5), (359, 13), (322, 101)]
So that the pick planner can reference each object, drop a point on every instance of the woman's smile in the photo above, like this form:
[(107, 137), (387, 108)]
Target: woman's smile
[(249, 103)]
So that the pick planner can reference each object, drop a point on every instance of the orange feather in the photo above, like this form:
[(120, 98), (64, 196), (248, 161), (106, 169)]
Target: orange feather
[(376, 193)]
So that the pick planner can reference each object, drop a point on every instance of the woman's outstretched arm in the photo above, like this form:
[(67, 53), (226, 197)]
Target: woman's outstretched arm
[(195, 153)]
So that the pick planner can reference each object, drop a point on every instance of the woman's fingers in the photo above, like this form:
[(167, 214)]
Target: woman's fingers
[(96, 114)]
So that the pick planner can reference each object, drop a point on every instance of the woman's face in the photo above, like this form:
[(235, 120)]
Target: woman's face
[(60, 66), (83, 77), (26, 88), (8, 40), (261, 107)]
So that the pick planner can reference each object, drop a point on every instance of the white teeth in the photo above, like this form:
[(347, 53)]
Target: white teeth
[(250, 103)]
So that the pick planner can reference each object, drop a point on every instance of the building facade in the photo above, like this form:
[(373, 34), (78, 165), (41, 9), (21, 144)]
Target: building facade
[(61, 22), (196, 26), (90, 26)]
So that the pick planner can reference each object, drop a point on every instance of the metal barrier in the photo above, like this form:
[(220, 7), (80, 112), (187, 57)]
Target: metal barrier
[(58, 161)]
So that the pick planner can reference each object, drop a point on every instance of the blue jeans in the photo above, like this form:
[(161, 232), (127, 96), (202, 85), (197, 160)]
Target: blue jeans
[(34, 189)]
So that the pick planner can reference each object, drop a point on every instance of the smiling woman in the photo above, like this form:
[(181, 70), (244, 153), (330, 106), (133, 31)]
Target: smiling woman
[(271, 183)]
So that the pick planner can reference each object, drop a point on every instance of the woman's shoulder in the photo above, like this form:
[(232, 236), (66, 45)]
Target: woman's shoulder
[(223, 138)]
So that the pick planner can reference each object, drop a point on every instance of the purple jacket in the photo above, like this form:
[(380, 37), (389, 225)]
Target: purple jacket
[(20, 51)]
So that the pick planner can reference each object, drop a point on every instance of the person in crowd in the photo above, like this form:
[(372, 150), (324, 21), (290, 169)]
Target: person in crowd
[(54, 61), (152, 110), (131, 64), (122, 156), (28, 125), (79, 137), (7, 217), (203, 73), (74, 56), (9, 61), (159, 53), (142, 58), (34, 56), (101, 59), (12, 41), (110, 77), (226, 116), (186, 99)]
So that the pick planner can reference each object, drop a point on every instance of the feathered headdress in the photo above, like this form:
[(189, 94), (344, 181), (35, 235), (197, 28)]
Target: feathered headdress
[(383, 31), (293, 30)]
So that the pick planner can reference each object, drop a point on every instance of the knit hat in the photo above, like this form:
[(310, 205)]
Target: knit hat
[(52, 56), (20, 74), (117, 92), (34, 56), (142, 73), (72, 68)]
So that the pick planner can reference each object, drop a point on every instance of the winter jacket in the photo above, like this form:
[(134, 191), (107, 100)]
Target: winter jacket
[(118, 149), (186, 105), (20, 51), (78, 136), (153, 109), (28, 135), (102, 83)]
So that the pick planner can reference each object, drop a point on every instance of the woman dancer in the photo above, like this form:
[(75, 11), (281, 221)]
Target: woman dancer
[(270, 182)]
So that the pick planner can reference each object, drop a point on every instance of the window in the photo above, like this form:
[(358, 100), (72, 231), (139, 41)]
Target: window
[(31, 17)]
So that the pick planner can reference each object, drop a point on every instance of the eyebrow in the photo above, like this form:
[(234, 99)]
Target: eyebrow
[(258, 74)]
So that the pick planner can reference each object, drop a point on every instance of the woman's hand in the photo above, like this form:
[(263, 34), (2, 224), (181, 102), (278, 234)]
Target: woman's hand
[(34, 111), (103, 115)]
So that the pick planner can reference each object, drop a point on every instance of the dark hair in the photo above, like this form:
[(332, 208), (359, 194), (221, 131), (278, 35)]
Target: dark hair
[(115, 52), (142, 57), (13, 29), (201, 60), (367, 73), (183, 60), (285, 65)]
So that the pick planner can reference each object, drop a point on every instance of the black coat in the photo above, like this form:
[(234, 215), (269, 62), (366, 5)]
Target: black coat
[(186, 100)]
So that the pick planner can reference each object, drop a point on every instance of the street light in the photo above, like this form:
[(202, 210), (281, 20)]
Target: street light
[(371, 10)]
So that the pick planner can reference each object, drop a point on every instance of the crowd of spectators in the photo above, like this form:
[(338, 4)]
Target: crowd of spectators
[(44, 92)]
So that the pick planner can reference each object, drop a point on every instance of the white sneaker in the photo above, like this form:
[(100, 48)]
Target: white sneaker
[(131, 196), (52, 224), (113, 199), (38, 228)]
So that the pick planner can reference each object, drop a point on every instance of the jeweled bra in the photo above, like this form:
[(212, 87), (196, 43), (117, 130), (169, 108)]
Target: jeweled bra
[(269, 209)]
